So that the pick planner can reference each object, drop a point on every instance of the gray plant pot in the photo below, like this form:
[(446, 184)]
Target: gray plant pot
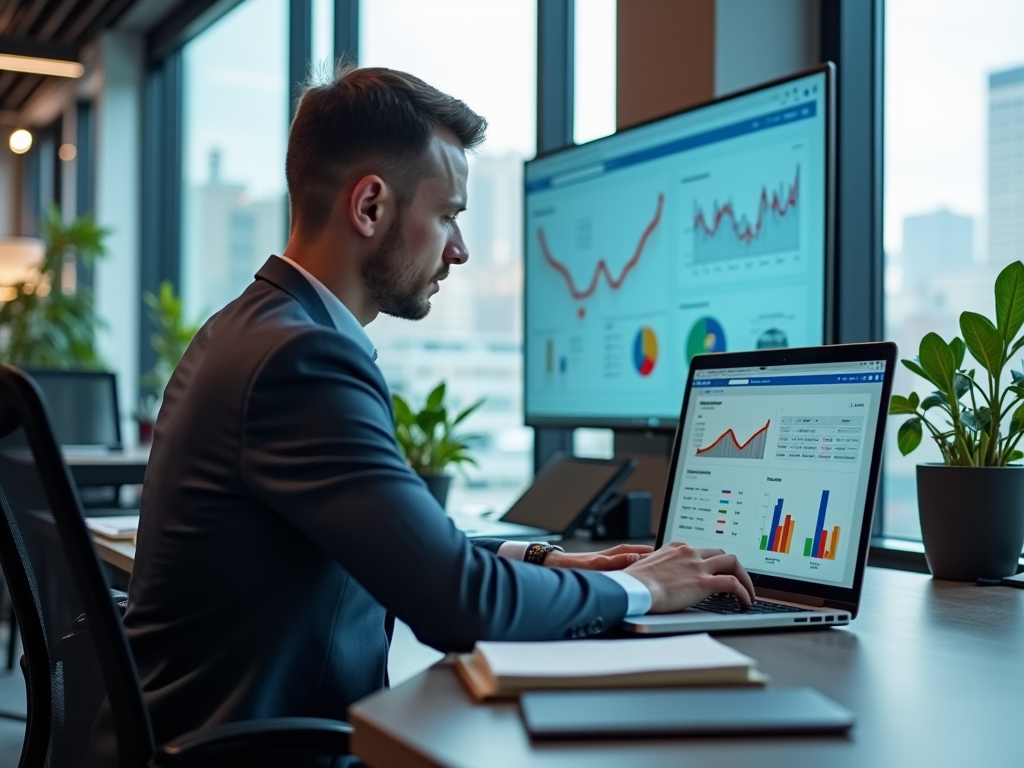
[(438, 486), (972, 520)]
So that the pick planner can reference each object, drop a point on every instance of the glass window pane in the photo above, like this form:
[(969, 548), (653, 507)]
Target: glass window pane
[(595, 69), (484, 54), (954, 185), (235, 130), (323, 33)]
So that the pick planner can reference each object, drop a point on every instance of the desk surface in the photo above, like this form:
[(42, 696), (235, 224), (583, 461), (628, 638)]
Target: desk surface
[(933, 670)]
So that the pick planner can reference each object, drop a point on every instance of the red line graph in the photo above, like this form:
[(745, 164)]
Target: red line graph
[(746, 232), (732, 436), (602, 266)]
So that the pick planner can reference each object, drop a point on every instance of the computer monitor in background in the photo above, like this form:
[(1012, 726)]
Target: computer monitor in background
[(704, 231), (82, 406)]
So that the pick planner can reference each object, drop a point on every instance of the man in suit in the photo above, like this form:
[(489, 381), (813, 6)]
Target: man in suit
[(281, 530)]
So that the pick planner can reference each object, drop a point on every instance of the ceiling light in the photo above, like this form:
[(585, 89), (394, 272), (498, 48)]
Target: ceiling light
[(36, 66), (67, 152), (21, 141)]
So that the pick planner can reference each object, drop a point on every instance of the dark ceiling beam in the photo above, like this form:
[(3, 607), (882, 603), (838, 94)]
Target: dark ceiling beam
[(43, 49), (10, 6), (25, 87), (29, 17), (83, 21), (55, 19), (109, 16)]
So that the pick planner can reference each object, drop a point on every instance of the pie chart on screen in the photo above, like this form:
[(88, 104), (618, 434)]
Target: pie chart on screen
[(705, 336), (645, 351)]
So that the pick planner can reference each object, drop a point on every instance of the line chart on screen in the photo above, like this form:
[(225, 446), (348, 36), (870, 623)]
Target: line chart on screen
[(614, 282)]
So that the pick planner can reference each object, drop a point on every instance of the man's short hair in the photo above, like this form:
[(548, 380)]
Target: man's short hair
[(371, 120)]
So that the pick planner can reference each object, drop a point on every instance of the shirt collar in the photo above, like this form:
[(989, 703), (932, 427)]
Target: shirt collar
[(344, 321)]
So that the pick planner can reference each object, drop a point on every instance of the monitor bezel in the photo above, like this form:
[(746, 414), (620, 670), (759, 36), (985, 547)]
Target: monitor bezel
[(845, 598), (668, 424)]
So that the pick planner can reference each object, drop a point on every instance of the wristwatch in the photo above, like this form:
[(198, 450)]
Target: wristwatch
[(537, 553)]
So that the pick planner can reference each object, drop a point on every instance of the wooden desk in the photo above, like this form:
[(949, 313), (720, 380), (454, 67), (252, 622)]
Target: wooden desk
[(116, 468), (933, 670), (119, 553)]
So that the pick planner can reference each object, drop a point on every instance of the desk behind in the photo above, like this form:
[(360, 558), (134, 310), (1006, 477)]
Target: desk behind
[(933, 670)]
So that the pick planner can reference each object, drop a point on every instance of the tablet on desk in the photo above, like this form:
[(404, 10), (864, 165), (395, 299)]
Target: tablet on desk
[(674, 712)]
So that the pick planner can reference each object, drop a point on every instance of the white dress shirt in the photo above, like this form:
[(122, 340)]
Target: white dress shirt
[(638, 596)]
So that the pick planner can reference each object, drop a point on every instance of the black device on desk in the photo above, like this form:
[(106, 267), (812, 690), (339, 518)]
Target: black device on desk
[(562, 497), (84, 411), (82, 406)]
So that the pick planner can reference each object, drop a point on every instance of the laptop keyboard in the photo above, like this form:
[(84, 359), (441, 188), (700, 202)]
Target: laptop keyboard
[(726, 603)]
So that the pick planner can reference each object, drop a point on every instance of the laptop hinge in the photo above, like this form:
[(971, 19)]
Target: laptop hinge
[(791, 597)]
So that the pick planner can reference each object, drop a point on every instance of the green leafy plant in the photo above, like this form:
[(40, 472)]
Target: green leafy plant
[(428, 438), (985, 430), (172, 336), (45, 325)]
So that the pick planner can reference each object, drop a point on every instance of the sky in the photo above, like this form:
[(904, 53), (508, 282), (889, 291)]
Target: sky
[(939, 54)]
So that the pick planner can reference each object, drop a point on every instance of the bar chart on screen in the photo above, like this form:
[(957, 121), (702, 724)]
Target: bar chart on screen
[(800, 518)]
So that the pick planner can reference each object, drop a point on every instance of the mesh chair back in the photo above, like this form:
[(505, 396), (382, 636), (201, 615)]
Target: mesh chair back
[(85, 706)]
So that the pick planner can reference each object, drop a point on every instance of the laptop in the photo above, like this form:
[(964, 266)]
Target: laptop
[(560, 500), (776, 460)]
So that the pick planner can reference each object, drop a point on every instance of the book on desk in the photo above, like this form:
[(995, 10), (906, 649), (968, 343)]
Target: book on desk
[(505, 670)]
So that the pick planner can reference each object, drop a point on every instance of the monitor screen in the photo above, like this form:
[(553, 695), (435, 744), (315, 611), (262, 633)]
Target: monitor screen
[(773, 465), (704, 231), (82, 407)]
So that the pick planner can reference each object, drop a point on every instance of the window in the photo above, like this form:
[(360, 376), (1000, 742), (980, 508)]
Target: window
[(484, 54), (954, 185), (235, 132)]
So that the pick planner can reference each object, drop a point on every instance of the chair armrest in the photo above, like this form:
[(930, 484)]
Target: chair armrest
[(224, 744)]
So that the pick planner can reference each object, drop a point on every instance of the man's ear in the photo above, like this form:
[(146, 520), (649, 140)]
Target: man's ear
[(370, 205)]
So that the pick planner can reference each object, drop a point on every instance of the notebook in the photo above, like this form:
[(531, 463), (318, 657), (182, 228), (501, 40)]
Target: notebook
[(114, 526), (504, 670)]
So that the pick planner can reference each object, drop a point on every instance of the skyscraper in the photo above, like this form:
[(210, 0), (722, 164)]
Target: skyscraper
[(1006, 166), (936, 243)]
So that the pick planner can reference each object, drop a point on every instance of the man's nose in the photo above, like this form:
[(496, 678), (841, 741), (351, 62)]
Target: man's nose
[(455, 250)]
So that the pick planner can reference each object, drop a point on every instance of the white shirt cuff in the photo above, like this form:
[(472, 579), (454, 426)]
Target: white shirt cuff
[(513, 550), (637, 595)]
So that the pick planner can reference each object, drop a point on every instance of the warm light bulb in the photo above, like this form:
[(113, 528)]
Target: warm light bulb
[(67, 152), (21, 141)]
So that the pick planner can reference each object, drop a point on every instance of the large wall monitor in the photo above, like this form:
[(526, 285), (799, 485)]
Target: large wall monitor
[(705, 231)]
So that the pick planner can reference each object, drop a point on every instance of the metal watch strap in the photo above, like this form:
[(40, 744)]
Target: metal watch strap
[(536, 553)]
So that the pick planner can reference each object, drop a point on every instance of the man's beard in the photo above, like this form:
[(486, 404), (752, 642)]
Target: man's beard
[(393, 282)]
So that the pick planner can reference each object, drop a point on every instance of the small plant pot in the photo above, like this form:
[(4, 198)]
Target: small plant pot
[(438, 486), (972, 520)]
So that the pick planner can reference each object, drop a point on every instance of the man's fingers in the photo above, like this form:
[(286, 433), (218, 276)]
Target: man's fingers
[(615, 562), (723, 583), (624, 548), (709, 552), (728, 565)]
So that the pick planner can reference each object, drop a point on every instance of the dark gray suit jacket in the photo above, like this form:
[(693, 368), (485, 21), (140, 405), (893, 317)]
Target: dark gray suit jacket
[(281, 531)]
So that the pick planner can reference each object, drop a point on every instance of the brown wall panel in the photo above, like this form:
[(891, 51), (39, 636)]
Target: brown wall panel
[(666, 57)]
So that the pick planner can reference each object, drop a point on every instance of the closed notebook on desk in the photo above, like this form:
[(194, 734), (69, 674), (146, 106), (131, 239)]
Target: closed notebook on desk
[(716, 712), (505, 670)]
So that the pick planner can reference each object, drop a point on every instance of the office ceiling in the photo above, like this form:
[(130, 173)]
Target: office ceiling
[(51, 29)]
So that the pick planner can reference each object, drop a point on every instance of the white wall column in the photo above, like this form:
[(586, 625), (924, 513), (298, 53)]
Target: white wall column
[(118, 183)]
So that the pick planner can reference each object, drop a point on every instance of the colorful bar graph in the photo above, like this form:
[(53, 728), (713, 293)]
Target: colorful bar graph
[(775, 529), (818, 548)]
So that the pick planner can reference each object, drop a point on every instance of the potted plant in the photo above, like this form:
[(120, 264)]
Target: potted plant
[(170, 340), (429, 442), (972, 504), (48, 323)]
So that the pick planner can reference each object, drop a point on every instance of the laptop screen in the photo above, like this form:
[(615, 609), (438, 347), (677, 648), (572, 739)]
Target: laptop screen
[(774, 466)]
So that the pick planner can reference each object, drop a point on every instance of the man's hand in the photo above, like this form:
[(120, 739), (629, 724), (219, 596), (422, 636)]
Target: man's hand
[(679, 576), (614, 559)]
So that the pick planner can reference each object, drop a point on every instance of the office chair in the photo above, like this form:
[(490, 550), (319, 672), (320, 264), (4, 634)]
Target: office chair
[(85, 706)]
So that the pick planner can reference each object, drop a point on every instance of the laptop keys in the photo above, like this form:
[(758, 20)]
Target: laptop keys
[(725, 603)]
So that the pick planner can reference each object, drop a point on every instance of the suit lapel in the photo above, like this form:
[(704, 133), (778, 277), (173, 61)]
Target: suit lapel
[(280, 273)]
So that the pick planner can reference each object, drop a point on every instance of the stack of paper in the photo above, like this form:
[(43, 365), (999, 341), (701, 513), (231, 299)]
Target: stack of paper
[(496, 670), (115, 526)]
